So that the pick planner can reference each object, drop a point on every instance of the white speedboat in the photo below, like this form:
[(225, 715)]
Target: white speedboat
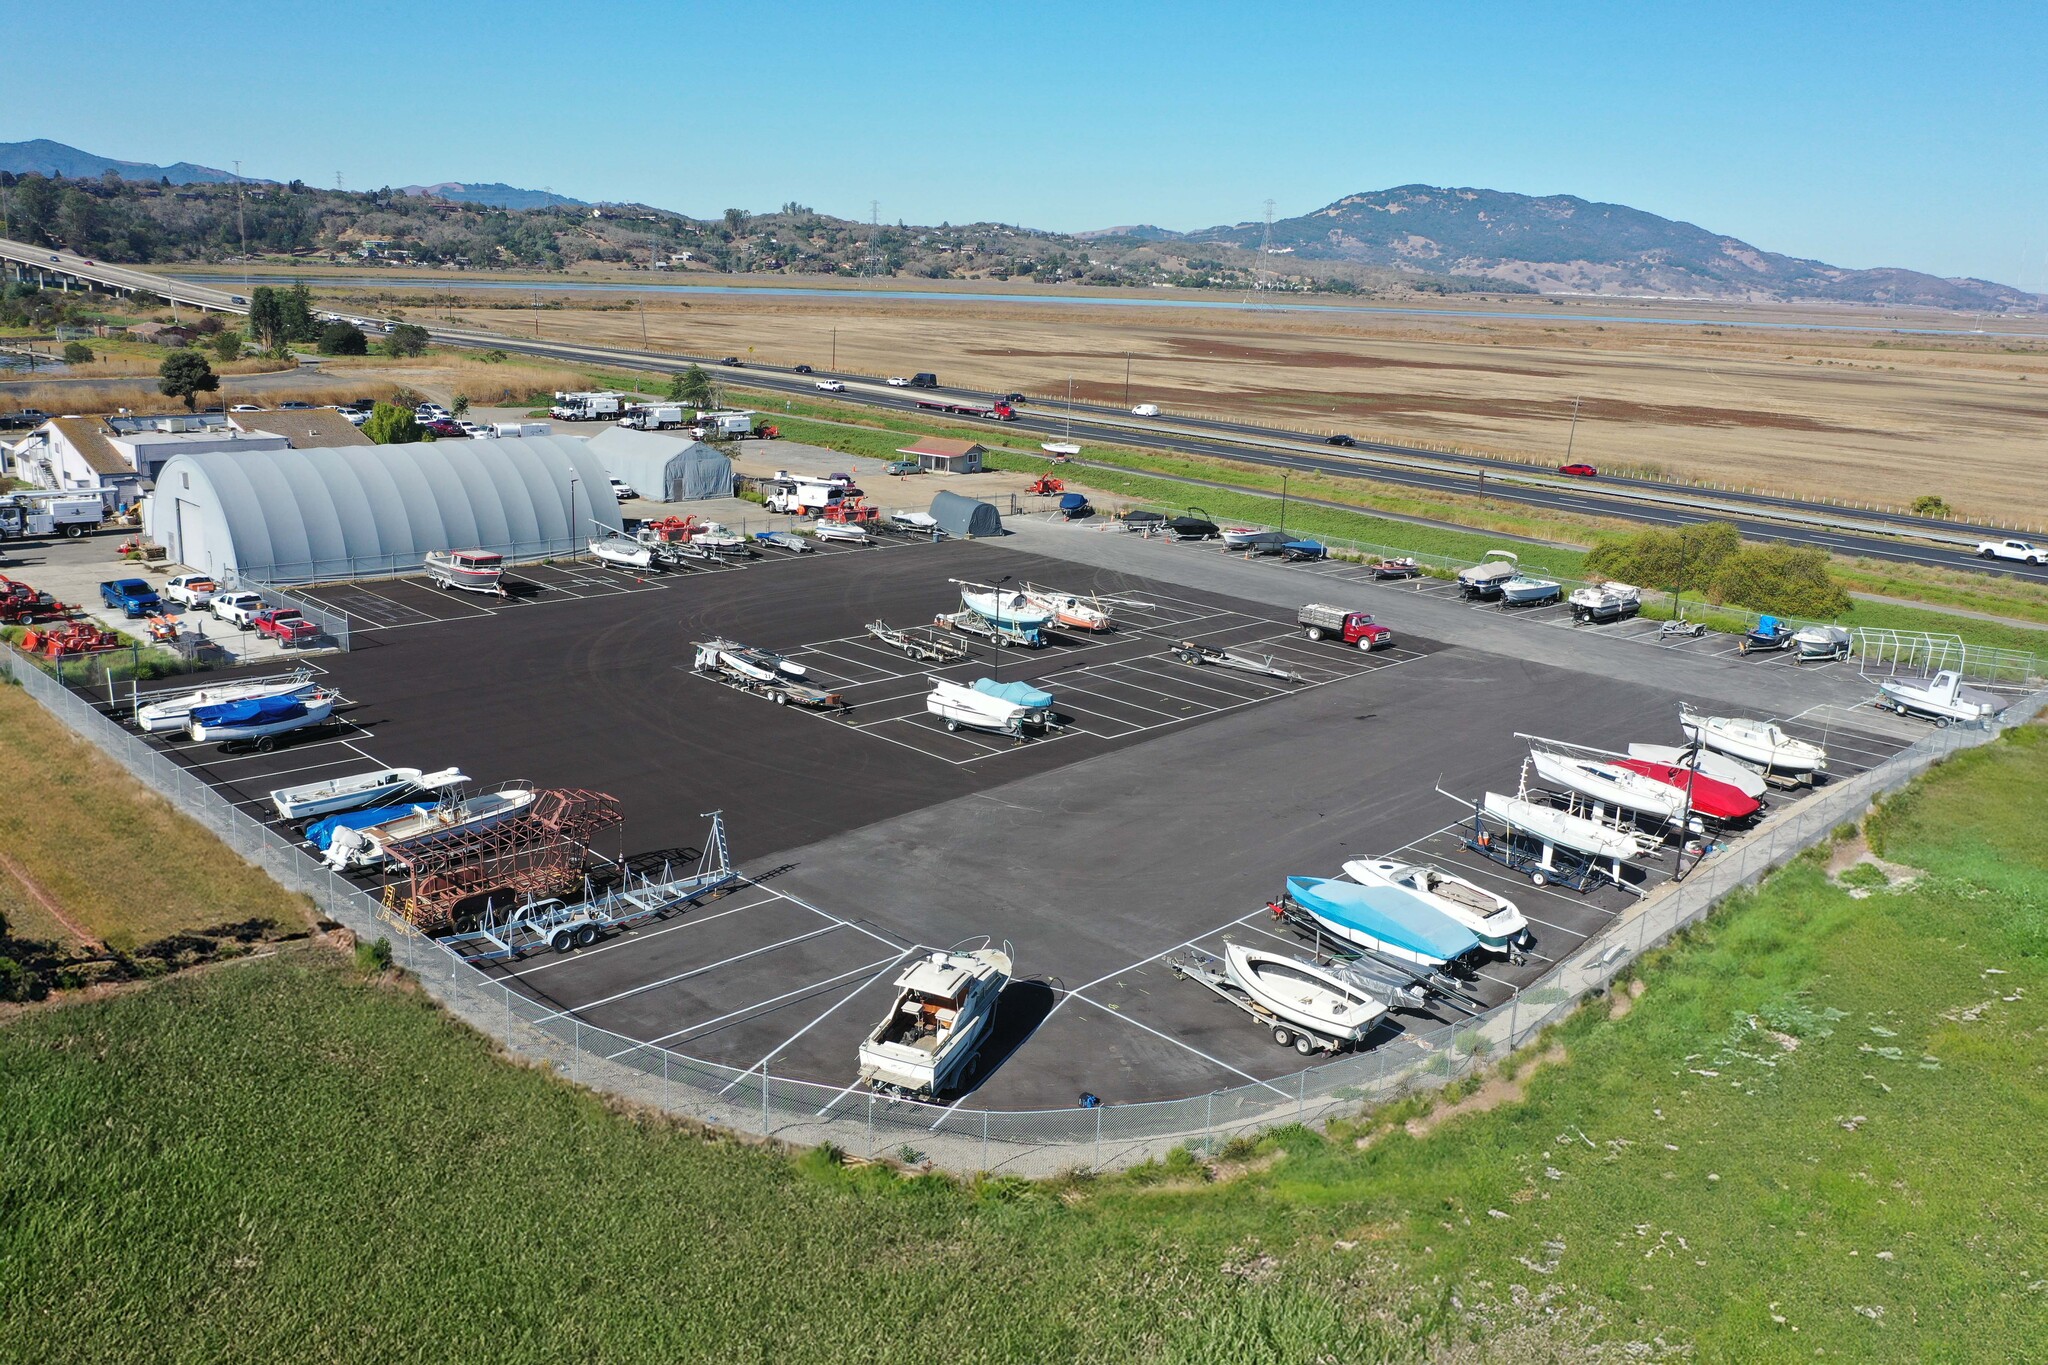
[(621, 553), (1325, 1000), (941, 1018), (1494, 920), (1549, 825), (1007, 607), (1607, 784), (1071, 610), (1822, 642), (175, 713), (759, 664), (1943, 699), (466, 570), (1720, 767), (1759, 742), (332, 794), (1001, 708), (368, 846), (719, 538), (259, 718), (1527, 590), (1486, 578), (849, 531), (1240, 537)]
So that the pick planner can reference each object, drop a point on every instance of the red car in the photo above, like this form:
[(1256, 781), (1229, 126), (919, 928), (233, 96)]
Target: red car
[(1579, 471), (286, 626), (444, 428)]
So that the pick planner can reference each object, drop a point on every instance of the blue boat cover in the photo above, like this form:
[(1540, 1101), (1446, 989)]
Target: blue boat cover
[(322, 832), (249, 710), (1016, 693), (1770, 627), (1307, 547), (1386, 913), (1072, 502)]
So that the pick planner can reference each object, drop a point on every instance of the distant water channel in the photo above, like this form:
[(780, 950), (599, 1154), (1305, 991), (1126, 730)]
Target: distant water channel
[(1107, 301)]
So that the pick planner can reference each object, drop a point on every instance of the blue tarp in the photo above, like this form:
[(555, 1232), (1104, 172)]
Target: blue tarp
[(249, 710), (1016, 693), (1072, 502), (1384, 913), (322, 832), (1769, 627)]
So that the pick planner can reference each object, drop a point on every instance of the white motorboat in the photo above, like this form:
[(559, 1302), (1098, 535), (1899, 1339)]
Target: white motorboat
[(759, 664), (850, 531), (719, 538), (1943, 699), (1710, 764), (259, 718), (175, 713), (1822, 642), (1065, 449), (1494, 920), (1008, 607), (941, 1018), (1759, 742), (466, 570), (621, 553), (1608, 785), (1241, 537), (1528, 589), (332, 794), (1485, 578), (1002, 708), (1325, 1000), (1594, 838), (1071, 610), (366, 847)]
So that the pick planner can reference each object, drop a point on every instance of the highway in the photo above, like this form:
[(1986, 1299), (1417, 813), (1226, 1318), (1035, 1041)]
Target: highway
[(1897, 538)]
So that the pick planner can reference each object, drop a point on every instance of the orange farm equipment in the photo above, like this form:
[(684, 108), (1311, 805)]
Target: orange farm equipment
[(1046, 485)]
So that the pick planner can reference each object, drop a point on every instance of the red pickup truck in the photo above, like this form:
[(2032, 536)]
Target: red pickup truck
[(286, 626), (1321, 622)]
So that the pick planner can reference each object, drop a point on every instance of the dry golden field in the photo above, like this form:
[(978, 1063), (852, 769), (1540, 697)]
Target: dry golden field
[(1868, 417)]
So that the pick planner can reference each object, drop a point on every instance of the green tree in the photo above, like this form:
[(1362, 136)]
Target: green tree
[(494, 356), (77, 353), (406, 339), (228, 345), (267, 322), (692, 386), (460, 407), (299, 320), (343, 338), (1932, 505), (1683, 559), (185, 374), (391, 426), (1790, 580)]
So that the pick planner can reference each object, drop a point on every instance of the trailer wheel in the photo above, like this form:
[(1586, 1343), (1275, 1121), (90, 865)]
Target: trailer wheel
[(781, 700), (586, 935), (1313, 632), (561, 941), (1305, 1045), (1283, 1037), (1538, 879)]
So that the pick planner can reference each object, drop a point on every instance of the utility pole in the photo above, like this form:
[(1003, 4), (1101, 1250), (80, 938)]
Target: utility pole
[(1285, 475), (835, 350), (874, 237), (242, 225), (1127, 378), (1573, 433)]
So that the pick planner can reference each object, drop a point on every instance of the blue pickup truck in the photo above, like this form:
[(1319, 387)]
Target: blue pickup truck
[(133, 596)]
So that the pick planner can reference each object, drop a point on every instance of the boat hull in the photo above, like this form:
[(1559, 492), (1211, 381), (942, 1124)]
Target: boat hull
[(1493, 920), (356, 848), (1302, 994), (1720, 767), (1609, 784), (175, 713), (1754, 745), (1015, 611), (315, 799), (1711, 797), (313, 711), (1564, 830)]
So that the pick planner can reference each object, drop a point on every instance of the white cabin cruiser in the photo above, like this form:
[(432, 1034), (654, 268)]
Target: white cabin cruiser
[(941, 1018), (1608, 785), (354, 848), (1002, 708), (1486, 578), (332, 794), (1758, 742), (1943, 699), (1325, 1000), (466, 570), (175, 713), (1494, 920)]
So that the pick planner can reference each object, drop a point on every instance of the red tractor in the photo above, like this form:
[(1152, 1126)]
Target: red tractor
[(1046, 485)]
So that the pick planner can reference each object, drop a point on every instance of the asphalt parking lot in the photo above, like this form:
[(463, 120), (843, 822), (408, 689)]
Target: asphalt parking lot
[(1163, 816)]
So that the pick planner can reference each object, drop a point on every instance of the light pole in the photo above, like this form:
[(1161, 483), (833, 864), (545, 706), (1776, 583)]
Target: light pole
[(996, 649), (1127, 378), (1573, 433), (1285, 475), (572, 511), (835, 350)]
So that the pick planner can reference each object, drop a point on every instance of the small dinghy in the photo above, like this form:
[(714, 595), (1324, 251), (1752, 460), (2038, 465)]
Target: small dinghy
[(1383, 918), (1494, 920), (1324, 1000), (175, 713), (941, 1018), (1758, 742), (259, 718), (335, 794)]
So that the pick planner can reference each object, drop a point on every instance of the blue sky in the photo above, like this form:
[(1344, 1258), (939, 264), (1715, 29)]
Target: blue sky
[(1861, 134)]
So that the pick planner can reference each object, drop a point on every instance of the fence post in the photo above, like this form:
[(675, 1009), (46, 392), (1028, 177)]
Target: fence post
[(1098, 1139), (666, 1102), (871, 1125), (1209, 1125), (984, 1139), (576, 1057), (764, 1100), (1301, 1104)]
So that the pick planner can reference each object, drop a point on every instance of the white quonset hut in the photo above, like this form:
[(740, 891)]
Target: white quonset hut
[(664, 468), (298, 516)]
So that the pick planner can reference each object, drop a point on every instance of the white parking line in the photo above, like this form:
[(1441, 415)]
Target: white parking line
[(633, 938)]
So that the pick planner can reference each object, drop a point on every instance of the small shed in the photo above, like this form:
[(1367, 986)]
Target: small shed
[(936, 455), (662, 467), (964, 516)]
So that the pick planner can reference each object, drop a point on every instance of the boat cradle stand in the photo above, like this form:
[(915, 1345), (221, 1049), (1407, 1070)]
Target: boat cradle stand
[(1544, 864)]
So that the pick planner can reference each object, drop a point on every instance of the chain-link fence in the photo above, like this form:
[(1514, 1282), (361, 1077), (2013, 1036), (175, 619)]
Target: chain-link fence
[(1025, 1142)]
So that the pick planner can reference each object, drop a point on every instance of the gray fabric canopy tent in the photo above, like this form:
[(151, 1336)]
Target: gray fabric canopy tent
[(958, 515), (663, 467)]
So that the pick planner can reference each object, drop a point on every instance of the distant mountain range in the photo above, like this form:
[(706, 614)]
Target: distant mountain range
[(1564, 244), (497, 196)]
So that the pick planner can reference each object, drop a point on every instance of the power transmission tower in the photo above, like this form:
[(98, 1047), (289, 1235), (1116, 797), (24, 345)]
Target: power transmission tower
[(1263, 278), (874, 237), (338, 184)]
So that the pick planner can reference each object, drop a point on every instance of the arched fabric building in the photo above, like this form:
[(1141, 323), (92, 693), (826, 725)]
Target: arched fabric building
[(662, 467), (958, 515), (297, 516)]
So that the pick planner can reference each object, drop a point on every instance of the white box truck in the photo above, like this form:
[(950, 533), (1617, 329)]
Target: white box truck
[(58, 513), (724, 425)]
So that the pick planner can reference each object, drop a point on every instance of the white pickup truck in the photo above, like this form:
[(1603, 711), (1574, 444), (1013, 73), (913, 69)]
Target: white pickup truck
[(237, 608), (190, 589), (2026, 552)]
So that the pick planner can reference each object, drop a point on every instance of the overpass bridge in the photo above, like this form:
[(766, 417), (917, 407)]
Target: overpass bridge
[(54, 267)]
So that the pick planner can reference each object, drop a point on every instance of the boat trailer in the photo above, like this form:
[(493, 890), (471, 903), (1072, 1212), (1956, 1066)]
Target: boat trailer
[(781, 691), (554, 924), (974, 623), (922, 643), (1408, 985), (1542, 863), (1189, 652)]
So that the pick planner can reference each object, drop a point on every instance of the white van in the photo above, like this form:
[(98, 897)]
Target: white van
[(1145, 410)]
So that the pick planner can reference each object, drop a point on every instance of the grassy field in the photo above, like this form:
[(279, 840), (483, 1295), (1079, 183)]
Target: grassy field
[(1815, 1129), (118, 861)]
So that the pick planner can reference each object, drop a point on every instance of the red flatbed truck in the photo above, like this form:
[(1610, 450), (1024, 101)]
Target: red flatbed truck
[(1319, 621)]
